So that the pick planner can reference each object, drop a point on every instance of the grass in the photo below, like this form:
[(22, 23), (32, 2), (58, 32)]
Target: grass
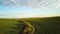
[(42, 25)]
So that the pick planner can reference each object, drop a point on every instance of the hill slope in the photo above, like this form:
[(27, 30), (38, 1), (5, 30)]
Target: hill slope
[(42, 25)]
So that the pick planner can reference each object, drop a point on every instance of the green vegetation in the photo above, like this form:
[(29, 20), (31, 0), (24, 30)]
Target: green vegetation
[(49, 25)]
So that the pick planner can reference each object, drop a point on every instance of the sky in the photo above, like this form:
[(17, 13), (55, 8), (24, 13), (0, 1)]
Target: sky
[(29, 8)]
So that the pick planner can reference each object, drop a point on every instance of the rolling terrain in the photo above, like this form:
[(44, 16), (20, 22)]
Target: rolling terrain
[(49, 25)]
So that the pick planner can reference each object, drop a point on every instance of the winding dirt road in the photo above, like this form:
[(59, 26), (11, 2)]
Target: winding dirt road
[(28, 28)]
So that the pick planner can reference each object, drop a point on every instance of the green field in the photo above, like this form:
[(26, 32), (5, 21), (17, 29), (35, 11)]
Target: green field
[(49, 25)]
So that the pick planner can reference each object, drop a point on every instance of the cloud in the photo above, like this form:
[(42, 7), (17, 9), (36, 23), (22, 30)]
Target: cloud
[(32, 3)]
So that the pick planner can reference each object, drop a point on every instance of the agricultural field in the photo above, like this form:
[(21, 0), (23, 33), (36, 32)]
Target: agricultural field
[(49, 25)]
